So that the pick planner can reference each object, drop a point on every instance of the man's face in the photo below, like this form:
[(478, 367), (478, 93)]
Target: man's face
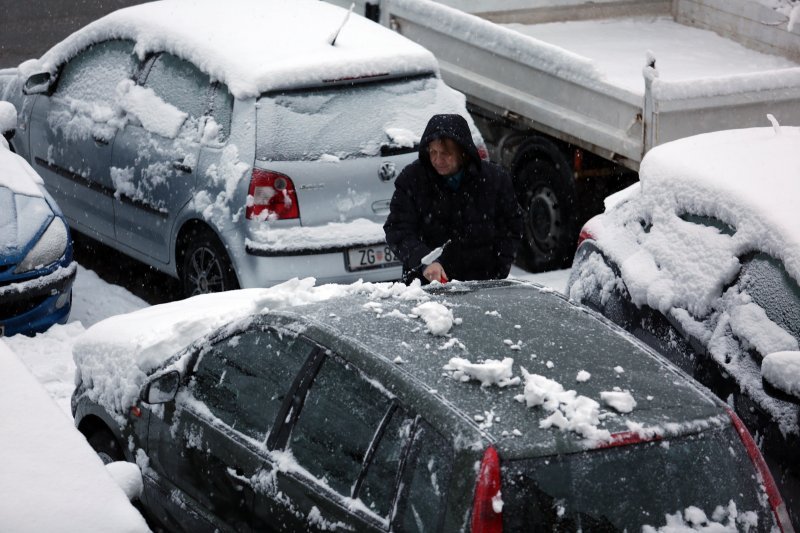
[(446, 156)]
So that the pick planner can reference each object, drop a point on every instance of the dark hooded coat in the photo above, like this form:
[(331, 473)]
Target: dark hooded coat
[(481, 219)]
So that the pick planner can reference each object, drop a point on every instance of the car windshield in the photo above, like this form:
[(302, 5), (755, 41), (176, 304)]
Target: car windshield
[(361, 120), (629, 487)]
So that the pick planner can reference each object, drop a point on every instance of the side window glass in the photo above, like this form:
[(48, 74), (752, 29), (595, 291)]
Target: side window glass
[(243, 380), (766, 281), (427, 475), (378, 487), (93, 75), (338, 421), (179, 83), (219, 127)]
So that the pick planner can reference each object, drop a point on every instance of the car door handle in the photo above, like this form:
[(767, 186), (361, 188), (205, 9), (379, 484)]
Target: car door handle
[(179, 166)]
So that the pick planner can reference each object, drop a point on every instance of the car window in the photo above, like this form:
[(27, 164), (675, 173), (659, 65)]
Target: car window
[(377, 489), (766, 281), (242, 380), (221, 110), (427, 477), (338, 421), (93, 75), (179, 83), (710, 222), (306, 124)]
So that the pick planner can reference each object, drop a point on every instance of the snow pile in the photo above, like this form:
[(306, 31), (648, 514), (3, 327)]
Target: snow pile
[(8, 117), (782, 370), (570, 411), (231, 48), (619, 400), (438, 318), (671, 259), (155, 114), (489, 372), (128, 476), (114, 356), (52, 479), (724, 520), (17, 175)]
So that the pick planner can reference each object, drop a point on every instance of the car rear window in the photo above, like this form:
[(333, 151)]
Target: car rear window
[(630, 487), (359, 120)]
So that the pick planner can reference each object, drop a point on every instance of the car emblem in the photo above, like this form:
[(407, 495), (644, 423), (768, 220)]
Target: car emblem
[(387, 171)]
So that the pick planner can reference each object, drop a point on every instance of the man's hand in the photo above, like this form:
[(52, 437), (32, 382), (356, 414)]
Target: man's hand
[(435, 272)]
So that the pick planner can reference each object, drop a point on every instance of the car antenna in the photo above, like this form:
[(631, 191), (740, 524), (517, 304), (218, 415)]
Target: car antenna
[(333, 37), (775, 125)]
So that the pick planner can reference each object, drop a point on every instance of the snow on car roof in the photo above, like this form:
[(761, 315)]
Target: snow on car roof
[(254, 46), (748, 178)]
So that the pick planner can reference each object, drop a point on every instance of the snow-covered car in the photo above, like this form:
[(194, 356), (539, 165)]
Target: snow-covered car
[(701, 260), (233, 144), (36, 266), (374, 407)]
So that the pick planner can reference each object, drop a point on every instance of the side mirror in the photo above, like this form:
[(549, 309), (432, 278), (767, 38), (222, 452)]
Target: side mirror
[(162, 389), (780, 376), (8, 119), (38, 83)]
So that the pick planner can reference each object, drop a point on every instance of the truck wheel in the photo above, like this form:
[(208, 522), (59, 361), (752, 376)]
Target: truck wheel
[(106, 446), (205, 267), (547, 198)]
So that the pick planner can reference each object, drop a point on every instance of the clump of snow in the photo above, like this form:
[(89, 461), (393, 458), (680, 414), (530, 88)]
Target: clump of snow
[(621, 401), (570, 411), (583, 376), (17, 175), (727, 519), (489, 372), (438, 318), (8, 117), (782, 370), (155, 114), (128, 476), (356, 232)]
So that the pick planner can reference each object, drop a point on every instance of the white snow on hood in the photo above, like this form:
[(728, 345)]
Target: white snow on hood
[(253, 46), (17, 175)]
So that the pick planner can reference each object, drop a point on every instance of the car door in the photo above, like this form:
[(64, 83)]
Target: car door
[(210, 447), (72, 132), (346, 438), (155, 159)]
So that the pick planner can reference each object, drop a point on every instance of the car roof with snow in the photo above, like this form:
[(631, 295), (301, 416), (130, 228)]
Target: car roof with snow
[(746, 178), (556, 340), (254, 46)]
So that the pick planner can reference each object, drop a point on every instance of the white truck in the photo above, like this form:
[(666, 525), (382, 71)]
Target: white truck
[(570, 94)]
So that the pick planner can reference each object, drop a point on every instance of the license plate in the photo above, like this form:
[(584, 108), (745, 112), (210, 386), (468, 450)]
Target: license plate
[(378, 256)]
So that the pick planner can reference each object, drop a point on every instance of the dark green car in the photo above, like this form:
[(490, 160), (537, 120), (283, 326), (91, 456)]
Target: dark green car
[(348, 414)]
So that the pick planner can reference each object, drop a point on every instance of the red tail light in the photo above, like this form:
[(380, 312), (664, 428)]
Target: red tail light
[(775, 500), (272, 192), (487, 509), (585, 234), (483, 153)]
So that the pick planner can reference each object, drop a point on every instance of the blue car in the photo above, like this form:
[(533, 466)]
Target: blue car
[(36, 265)]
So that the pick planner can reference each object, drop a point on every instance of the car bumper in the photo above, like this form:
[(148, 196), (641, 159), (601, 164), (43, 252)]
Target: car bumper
[(32, 306), (256, 269)]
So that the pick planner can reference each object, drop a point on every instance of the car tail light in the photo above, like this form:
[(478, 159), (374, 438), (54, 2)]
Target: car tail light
[(626, 438), (483, 153), (487, 509), (775, 500), (272, 192), (585, 234)]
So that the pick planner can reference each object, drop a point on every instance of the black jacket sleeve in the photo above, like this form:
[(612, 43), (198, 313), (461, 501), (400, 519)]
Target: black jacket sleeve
[(402, 227)]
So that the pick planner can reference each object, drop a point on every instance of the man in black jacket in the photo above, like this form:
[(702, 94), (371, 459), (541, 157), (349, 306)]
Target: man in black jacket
[(449, 198)]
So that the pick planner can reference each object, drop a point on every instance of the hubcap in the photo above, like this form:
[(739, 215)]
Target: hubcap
[(543, 220), (205, 272)]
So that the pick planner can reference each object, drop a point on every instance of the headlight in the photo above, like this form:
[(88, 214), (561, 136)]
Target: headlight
[(49, 249)]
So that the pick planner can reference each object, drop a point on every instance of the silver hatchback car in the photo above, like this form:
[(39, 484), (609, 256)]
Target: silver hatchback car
[(231, 145)]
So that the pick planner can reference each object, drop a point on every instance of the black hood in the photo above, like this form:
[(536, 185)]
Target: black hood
[(452, 127)]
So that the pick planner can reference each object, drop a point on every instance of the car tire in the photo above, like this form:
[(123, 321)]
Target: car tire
[(103, 442), (205, 266), (546, 194)]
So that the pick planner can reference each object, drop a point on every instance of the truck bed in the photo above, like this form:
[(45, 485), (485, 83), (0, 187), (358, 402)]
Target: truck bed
[(581, 78)]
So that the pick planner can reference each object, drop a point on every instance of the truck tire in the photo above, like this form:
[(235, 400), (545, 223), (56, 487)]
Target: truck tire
[(546, 194), (205, 266)]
